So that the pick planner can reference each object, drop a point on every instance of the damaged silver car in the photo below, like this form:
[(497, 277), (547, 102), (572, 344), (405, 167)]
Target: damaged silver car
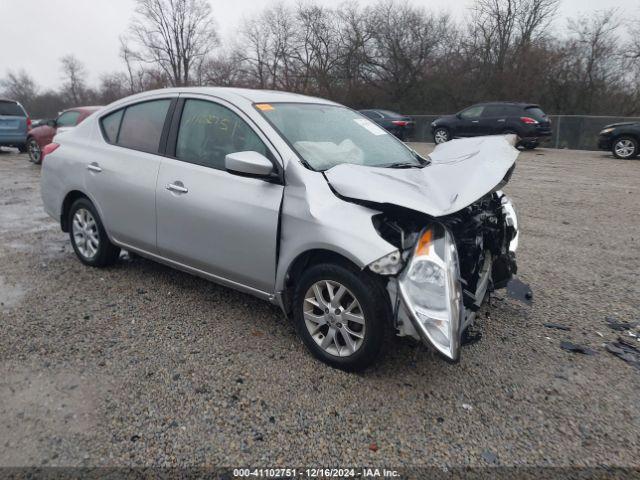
[(296, 200)]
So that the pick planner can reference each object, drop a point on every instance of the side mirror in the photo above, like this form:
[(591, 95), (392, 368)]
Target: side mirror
[(248, 163), (52, 123), (458, 116)]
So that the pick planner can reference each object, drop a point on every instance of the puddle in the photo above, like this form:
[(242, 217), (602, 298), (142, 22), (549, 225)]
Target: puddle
[(10, 295)]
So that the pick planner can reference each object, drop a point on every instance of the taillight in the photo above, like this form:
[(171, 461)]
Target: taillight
[(50, 148), (28, 123), (400, 123), (529, 120)]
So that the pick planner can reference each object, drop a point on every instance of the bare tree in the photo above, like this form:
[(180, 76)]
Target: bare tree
[(74, 79), (19, 86), (174, 35)]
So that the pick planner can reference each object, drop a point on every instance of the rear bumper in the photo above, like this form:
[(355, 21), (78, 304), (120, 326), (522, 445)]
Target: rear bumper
[(13, 140)]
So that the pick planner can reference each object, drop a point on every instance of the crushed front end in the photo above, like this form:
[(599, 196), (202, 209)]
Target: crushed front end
[(445, 267)]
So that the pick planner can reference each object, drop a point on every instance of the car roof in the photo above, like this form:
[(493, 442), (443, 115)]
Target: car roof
[(8, 100), (513, 104), (89, 109), (230, 94)]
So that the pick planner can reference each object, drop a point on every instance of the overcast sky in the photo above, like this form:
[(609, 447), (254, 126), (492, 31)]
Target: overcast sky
[(36, 33)]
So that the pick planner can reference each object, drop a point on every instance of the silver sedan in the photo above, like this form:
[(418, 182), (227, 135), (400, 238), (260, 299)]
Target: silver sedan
[(296, 200)]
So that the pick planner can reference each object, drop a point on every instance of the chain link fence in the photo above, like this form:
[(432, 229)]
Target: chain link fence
[(577, 132)]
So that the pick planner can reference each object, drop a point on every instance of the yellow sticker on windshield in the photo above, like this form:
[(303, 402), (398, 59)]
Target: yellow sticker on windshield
[(265, 107)]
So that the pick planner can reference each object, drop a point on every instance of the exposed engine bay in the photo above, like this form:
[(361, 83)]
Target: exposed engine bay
[(485, 236)]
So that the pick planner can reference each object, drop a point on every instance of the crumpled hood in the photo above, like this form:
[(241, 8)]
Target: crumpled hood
[(461, 172)]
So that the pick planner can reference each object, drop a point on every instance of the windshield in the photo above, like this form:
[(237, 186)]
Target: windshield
[(328, 135)]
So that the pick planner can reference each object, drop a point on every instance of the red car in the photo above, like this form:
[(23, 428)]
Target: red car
[(39, 137)]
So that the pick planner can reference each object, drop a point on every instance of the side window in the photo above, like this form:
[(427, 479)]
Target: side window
[(68, 119), (372, 115), (142, 125), (472, 112), (492, 111), (208, 132), (111, 125)]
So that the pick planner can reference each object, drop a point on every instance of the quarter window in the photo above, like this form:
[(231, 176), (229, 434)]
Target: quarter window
[(68, 119), (208, 132), (111, 125), (142, 125)]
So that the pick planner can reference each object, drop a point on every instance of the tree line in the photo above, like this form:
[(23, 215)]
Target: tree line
[(389, 54)]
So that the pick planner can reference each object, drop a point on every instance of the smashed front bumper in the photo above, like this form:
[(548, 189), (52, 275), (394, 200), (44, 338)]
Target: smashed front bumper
[(429, 291)]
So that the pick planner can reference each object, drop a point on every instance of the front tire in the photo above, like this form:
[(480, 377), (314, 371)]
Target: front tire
[(441, 135), (625, 148), (341, 314), (88, 236)]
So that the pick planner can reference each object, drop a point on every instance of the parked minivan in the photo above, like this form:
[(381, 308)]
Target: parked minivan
[(299, 201), (14, 125)]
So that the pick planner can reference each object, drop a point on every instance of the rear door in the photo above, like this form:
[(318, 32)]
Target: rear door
[(209, 219), (122, 171), (469, 122), (13, 123), (494, 119)]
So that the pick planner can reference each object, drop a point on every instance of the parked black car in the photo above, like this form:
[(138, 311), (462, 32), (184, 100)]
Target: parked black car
[(400, 125), (623, 139), (526, 120)]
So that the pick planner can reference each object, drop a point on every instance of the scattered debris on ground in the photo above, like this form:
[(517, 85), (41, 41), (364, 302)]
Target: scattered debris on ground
[(575, 348), (620, 326), (519, 290), (557, 326), (626, 350)]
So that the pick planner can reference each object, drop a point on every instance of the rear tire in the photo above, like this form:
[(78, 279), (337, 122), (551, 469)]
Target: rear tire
[(353, 335), (88, 236), (625, 148)]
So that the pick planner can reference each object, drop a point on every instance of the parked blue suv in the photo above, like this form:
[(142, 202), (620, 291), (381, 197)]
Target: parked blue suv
[(14, 125)]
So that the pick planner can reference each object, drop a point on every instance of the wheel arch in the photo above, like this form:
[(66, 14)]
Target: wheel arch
[(71, 197), (306, 259)]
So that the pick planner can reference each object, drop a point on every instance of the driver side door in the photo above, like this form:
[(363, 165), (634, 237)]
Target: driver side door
[(218, 223), (470, 122)]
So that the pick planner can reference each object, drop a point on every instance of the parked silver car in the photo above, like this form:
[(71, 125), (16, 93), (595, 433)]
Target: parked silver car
[(296, 200)]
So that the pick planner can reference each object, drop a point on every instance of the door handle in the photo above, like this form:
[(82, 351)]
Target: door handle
[(502, 120), (475, 121), (174, 187), (94, 167)]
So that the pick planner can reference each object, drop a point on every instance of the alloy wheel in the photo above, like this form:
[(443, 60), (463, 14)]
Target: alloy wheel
[(85, 233), (334, 318), (35, 153), (441, 136), (625, 148)]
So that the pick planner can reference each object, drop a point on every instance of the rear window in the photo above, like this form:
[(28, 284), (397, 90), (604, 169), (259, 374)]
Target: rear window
[(536, 112), (11, 109)]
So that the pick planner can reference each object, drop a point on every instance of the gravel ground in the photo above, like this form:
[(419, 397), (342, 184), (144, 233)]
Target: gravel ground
[(139, 364)]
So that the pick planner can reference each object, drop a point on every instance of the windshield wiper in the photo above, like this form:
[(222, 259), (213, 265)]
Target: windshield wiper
[(403, 165)]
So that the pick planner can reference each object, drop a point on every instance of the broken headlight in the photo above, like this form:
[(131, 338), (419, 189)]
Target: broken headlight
[(512, 221), (431, 290)]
